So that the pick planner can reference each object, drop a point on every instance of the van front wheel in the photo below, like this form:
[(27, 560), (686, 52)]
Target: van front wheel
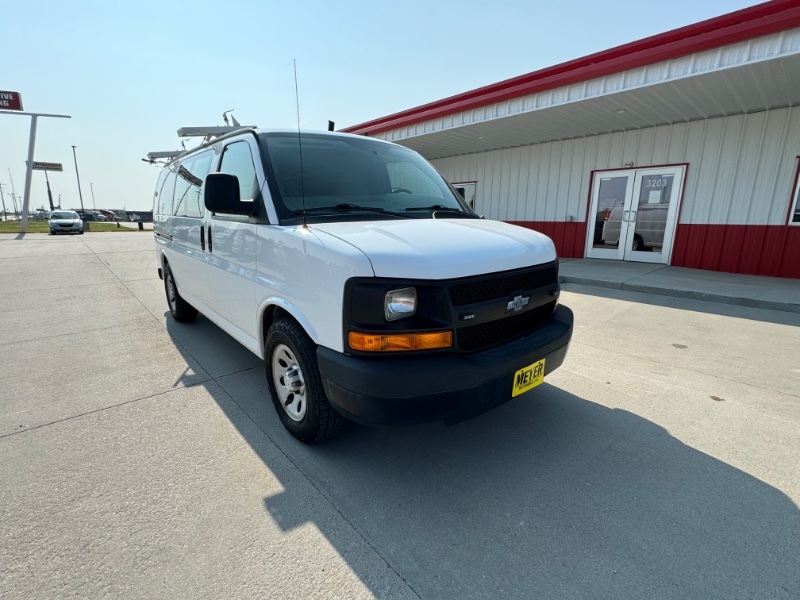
[(295, 385)]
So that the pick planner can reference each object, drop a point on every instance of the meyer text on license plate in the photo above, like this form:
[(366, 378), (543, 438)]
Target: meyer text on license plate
[(528, 378)]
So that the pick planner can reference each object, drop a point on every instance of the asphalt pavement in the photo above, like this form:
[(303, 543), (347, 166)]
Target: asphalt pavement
[(142, 458)]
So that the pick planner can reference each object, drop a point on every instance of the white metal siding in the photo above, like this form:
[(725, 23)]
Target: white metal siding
[(741, 169)]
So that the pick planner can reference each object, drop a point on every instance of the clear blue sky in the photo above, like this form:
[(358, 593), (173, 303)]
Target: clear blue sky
[(130, 74)]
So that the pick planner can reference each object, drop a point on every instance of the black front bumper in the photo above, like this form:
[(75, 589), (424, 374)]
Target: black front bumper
[(440, 387)]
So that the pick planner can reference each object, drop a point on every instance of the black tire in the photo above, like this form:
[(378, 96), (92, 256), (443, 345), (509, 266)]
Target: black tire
[(314, 419), (181, 311)]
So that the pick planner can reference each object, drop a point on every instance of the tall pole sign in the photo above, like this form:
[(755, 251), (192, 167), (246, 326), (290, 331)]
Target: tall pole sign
[(10, 101)]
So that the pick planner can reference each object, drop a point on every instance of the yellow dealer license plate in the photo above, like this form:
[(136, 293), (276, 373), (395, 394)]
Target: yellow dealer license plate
[(528, 378)]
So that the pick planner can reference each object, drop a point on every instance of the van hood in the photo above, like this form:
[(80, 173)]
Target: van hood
[(442, 248)]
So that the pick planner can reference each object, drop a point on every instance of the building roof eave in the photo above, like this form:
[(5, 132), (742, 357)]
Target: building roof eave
[(745, 24)]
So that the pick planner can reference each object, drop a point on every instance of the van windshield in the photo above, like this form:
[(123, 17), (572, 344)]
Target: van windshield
[(346, 178)]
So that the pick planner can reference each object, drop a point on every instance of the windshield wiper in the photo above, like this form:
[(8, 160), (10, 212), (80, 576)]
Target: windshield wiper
[(441, 208), (344, 207)]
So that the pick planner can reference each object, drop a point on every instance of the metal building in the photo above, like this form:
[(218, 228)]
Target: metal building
[(680, 149)]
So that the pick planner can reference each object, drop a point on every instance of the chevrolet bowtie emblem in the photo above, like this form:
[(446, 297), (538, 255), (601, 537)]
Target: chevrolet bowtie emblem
[(517, 303)]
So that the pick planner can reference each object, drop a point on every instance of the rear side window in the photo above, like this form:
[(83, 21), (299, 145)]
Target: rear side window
[(190, 177), (165, 192), (159, 184), (238, 160)]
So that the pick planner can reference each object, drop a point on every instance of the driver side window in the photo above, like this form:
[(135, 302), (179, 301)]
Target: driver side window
[(238, 160)]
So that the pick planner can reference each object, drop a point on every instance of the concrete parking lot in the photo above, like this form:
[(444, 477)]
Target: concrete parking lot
[(142, 458)]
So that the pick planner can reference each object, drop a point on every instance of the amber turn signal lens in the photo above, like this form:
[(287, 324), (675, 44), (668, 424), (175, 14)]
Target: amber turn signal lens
[(368, 342)]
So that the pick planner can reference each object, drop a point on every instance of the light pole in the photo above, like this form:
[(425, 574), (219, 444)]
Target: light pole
[(13, 193), (91, 185), (77, 175), (5, 216), (49, 193)]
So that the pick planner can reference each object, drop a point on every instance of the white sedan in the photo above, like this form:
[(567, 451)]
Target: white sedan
[(65, 221)]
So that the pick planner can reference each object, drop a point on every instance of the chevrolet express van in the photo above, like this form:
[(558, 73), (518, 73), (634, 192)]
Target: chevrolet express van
[(368, 286)]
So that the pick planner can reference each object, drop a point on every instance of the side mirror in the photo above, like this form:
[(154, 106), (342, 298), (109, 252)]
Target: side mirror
[(222, 195)]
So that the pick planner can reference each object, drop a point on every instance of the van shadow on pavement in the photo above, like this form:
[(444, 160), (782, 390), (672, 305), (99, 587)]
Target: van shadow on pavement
[(551, 495)]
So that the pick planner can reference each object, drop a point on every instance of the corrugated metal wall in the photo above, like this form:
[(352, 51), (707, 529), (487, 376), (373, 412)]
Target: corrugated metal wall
[(741, 170)]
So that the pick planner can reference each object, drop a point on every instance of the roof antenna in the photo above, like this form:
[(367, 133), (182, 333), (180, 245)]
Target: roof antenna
[(300, 142)]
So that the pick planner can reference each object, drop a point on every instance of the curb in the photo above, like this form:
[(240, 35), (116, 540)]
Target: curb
[(790, 307)]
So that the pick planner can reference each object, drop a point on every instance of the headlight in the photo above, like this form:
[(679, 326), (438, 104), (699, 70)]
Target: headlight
[(399, 304)]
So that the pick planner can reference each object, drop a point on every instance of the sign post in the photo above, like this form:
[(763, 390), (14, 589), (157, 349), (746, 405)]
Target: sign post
[(48, 166), (49, 193)]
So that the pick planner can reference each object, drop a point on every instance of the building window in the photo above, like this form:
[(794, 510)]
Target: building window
[(794, 214)]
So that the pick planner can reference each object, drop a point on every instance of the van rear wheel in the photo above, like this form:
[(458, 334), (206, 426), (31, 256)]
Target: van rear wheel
[(181, 311), (296, 386)]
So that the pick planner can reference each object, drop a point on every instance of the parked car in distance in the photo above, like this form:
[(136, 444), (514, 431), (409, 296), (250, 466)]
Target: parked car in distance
[(65, 221), (135, 218)]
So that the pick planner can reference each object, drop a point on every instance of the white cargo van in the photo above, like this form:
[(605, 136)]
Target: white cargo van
[(363, 279)]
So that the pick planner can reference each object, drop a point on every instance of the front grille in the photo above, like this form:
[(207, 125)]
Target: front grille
[(502, 286), (483, 335)]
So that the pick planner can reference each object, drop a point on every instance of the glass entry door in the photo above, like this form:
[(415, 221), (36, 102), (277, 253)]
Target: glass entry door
[(633, 214)]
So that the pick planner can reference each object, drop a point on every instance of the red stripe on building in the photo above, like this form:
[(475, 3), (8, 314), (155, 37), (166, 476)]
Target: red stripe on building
[(771, 250), (569, 237)]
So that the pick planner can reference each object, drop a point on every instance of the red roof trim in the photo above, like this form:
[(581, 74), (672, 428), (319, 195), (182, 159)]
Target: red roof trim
[(748, 23)]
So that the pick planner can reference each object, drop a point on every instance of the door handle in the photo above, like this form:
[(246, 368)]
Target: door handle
[(632, 218), (625, 214), (202, 237)]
